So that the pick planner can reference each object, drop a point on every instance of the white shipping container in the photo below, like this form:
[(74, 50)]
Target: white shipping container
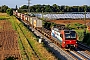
[(31, 22), (19, 14), (32, 19), (37, 23), (24, 17), (27, 18)]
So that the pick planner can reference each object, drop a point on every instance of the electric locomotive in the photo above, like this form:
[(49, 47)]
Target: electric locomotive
[(66, 38)]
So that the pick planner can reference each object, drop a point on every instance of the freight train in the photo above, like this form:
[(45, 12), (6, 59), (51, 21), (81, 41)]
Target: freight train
[(66, 38)]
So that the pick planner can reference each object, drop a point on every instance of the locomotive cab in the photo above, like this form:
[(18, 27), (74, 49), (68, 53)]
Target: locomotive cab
[(69, 38)]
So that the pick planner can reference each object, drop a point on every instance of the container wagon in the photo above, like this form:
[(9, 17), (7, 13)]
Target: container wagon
[(33, 21)]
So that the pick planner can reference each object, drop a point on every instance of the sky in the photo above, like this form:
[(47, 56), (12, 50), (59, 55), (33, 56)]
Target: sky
[(13, 3)]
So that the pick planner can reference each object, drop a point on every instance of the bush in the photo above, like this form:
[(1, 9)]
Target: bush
[(9, 12), (47, 25), (88, 41), (78, 24), (80, 36), (86, 38)]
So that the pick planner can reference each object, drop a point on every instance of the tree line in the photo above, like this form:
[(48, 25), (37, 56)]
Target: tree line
[(6, 9), (3, 8), (49, 8), (55, 8)]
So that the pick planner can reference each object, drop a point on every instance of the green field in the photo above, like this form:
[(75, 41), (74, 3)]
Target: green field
[(3, 16)]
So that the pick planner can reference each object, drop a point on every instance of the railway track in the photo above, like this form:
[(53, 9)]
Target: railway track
[(83, 46), (77, 54), (84, 50)]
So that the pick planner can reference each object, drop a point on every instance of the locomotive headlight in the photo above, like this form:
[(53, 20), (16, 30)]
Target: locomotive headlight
[(64, 42), (76, 42), (74, 45), (70, 41)]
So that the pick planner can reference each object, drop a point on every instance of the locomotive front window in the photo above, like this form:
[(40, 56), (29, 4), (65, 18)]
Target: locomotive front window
[(73, 34), (67, 35), (70, 35)]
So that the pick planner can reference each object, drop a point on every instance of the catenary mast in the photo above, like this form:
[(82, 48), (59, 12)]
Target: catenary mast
[(28, 6)]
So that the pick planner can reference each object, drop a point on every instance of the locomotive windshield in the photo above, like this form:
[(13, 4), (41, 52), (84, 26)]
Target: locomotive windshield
[(70, 34)]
